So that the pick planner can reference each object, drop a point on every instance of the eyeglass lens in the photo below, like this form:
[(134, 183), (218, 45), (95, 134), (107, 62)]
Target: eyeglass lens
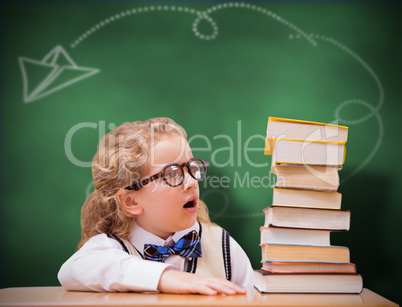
[(197, 169), (174, 173)]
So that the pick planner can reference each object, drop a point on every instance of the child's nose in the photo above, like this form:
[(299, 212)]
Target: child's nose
[(189, 182)]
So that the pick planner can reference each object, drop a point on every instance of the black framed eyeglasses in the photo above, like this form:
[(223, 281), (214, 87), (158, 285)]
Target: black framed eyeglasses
[(173, 174)]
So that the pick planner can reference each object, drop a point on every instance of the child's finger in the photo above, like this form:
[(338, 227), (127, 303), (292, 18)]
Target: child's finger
[(204, 289), (233, 286), (226, 287)]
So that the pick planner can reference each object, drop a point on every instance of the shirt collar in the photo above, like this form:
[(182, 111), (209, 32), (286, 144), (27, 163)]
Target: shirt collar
[(141, 236)]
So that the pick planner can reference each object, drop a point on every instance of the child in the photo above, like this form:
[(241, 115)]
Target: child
[(144, 227)]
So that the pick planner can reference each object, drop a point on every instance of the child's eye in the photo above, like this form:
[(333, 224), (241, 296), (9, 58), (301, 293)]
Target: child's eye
[(194, 169), (173, 172), (170, 174)]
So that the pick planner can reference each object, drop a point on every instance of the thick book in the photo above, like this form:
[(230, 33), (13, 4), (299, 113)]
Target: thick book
[(307, 267), (282, 128), (308, 218), (308, 283), (294, 236), (305, 253), (306, 177), (311, 153), (306, 198)]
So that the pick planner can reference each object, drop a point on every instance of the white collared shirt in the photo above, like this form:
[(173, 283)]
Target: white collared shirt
[(102, 265)]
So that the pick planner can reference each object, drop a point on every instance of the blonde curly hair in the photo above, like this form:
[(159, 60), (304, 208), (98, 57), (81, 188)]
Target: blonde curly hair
[(121, 159)]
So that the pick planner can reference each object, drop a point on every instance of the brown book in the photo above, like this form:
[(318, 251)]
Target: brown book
[(306, 198), (308, 267), (304, 253), (307, 177), (267, 282), (308, 218)]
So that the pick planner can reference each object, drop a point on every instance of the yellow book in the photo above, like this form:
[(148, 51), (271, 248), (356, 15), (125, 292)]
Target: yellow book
[(310, 153), (290, 129)]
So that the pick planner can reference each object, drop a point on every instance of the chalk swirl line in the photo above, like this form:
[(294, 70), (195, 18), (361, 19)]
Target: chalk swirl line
[(200, 15)]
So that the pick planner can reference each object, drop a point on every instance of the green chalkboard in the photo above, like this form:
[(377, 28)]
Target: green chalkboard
[(71, 71)]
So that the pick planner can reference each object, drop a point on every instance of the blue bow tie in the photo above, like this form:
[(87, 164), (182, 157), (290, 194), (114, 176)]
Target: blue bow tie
[(188, 246)]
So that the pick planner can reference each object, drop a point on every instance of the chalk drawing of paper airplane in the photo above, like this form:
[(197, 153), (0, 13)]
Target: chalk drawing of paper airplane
[(56, 71)]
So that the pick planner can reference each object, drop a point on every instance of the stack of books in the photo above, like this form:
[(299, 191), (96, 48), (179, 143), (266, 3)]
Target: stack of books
[(297, 256)]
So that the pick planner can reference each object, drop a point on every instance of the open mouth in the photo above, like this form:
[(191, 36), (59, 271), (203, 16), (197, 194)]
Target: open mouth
[(190, 204)]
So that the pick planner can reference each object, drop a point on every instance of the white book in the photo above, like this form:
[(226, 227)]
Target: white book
[(294, 236), (307, 198)]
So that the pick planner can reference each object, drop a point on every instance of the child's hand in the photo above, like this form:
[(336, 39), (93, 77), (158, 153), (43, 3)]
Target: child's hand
[(181, 282)]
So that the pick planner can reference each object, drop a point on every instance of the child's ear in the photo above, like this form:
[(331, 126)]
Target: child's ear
[(128, 202)]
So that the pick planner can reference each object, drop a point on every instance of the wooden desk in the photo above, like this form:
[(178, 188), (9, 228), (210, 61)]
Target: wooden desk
[(57, 296)]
